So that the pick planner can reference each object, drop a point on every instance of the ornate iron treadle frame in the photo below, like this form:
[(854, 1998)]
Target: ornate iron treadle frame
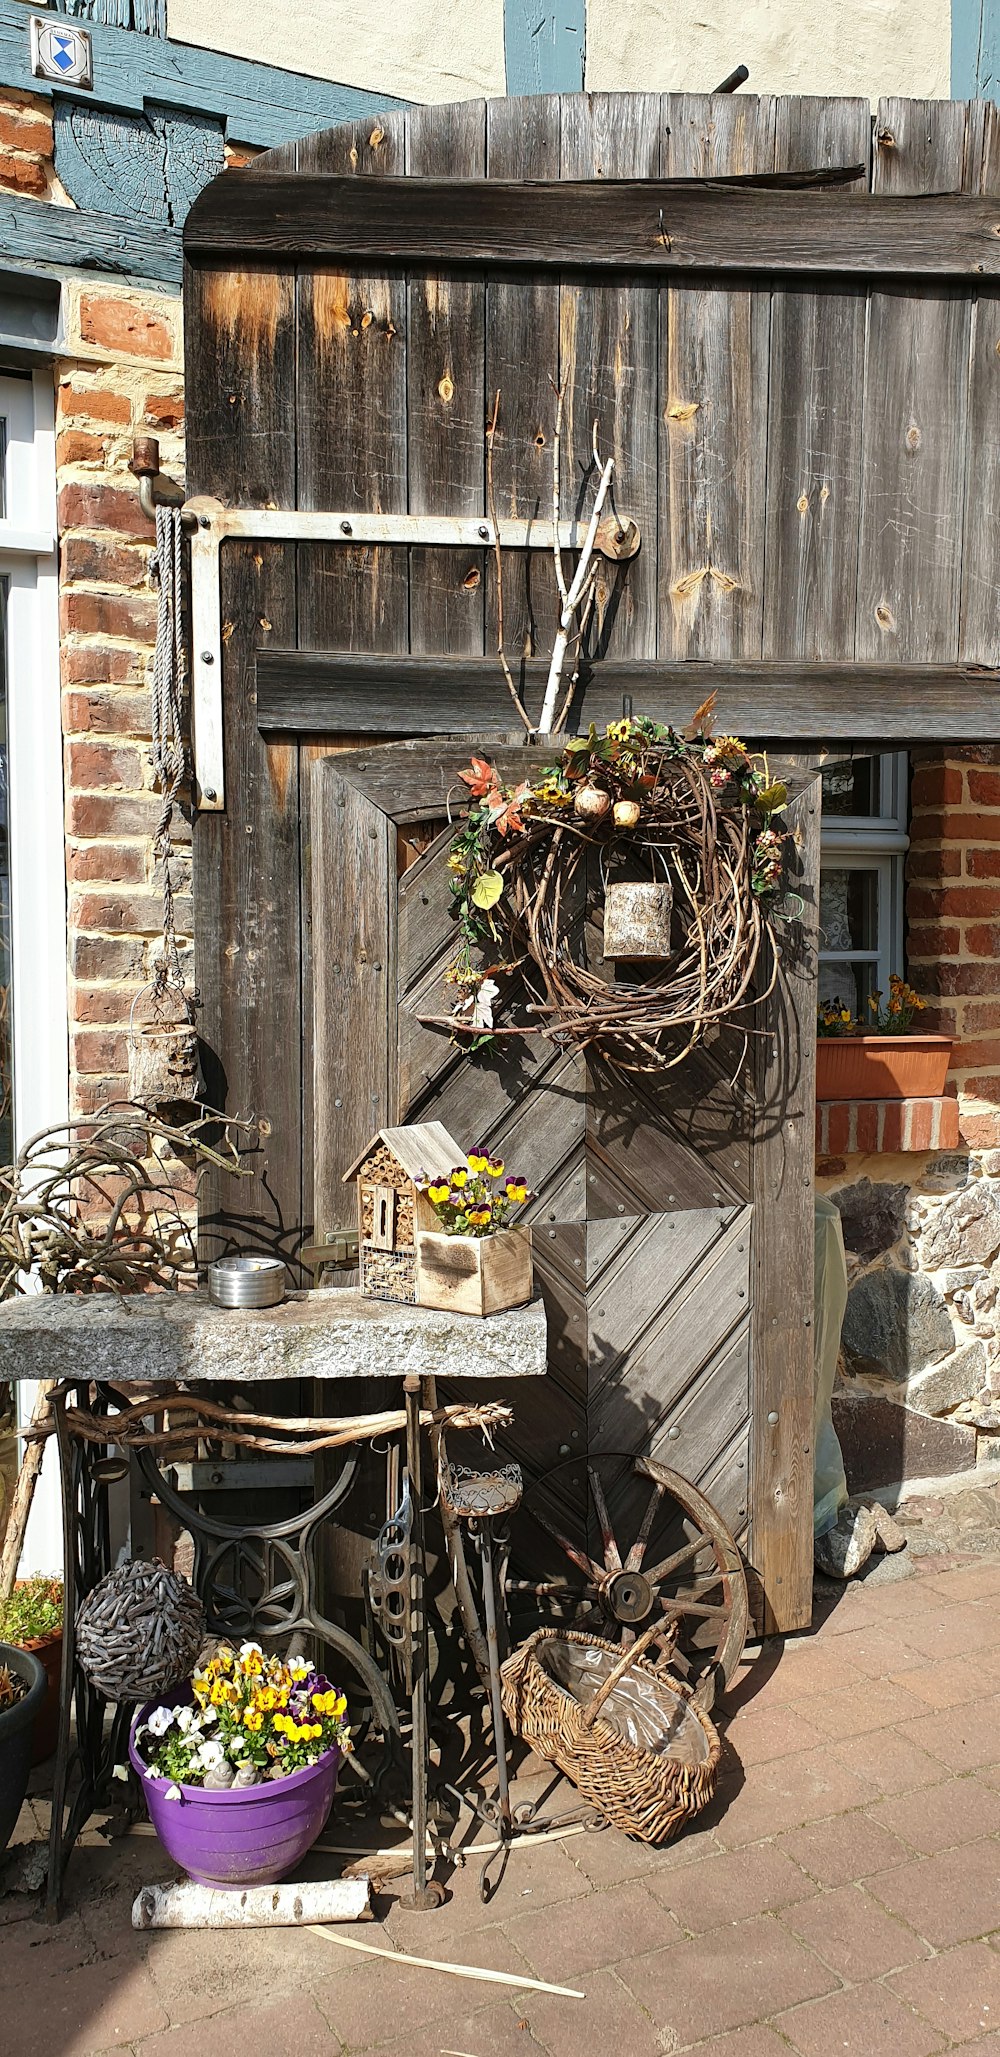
[(282, 1557)]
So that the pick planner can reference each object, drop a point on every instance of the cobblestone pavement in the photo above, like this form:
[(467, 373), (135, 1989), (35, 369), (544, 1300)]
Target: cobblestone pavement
[(841, 1895)]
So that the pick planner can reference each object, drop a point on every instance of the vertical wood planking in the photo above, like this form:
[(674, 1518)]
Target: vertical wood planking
[(713, 407), (915, 415), (783, 1168), (446, 404), (980, 566), (240, 377), (351, 410), (354, 852), (522, 364), (608, 368), (814, 426)]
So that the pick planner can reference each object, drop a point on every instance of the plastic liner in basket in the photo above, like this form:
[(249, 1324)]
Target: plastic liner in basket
[(626, 1733)]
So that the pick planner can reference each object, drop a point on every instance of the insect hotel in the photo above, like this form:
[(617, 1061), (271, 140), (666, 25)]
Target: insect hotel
[(390, 1207)]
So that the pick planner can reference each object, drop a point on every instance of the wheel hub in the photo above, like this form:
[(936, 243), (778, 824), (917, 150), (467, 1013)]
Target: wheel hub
[(628, 1596)]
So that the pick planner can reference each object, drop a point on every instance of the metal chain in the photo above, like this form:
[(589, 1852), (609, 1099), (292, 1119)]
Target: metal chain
[(169, 755)]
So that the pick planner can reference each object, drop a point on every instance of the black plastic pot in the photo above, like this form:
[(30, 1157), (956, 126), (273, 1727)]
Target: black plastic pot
[(17, 1733)]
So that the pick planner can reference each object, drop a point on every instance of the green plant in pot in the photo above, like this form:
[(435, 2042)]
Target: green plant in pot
[(886, 1056), (32, 1619)]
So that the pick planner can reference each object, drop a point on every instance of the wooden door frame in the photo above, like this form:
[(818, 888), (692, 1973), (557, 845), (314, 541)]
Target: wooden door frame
[(360, 800)]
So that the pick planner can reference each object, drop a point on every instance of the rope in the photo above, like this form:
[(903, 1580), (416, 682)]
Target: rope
[(169, 756)]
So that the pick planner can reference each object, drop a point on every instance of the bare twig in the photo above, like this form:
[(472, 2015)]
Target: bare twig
[(498, 554)]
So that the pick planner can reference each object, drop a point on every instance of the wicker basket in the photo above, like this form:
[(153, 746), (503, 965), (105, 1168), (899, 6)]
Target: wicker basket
[(649, 1764)]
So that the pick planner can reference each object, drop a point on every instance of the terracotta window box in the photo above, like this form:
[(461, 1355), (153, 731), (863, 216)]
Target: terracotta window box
[(881, 1067), (845, 1128)]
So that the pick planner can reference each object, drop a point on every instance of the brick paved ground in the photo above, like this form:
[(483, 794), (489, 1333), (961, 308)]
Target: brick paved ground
[(841, 1895)]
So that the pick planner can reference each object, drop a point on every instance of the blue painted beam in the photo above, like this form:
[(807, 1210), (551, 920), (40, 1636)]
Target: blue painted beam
[(967, 24), (258, 103), (545, 45), (54, 240)]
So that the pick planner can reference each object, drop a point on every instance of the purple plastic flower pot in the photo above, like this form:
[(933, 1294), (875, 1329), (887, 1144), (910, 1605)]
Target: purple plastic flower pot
[(250, 1838)]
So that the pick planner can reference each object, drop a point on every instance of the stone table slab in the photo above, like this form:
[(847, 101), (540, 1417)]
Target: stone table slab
[(330, 1334)]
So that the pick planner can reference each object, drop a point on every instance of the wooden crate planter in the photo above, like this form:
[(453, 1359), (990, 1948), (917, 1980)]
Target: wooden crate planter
[(391, 1211), (474, 1274)]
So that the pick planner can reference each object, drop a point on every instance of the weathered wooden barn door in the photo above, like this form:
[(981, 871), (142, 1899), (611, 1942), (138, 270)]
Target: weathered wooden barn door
[(672, 1222), (675, 1242)]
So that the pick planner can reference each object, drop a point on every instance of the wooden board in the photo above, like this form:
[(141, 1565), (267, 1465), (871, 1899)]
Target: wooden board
[(657, 225), (338, 694)]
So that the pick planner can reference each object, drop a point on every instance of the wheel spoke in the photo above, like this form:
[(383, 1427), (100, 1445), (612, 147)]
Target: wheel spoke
[(671, 1607), (633, 1561), (590, 1570), (612, 1555), (659, 1572)]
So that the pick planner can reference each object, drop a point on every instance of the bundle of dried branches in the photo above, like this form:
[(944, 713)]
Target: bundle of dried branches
[(275, 1434), (94, 1205), (693, 812), (706, 853)]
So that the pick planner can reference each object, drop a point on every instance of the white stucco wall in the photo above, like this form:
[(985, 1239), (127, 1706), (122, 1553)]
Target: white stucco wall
[(865, 47), (413, 49)]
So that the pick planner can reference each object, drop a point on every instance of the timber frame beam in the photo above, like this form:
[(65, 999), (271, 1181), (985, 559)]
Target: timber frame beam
[(318, 693), (660, 225)]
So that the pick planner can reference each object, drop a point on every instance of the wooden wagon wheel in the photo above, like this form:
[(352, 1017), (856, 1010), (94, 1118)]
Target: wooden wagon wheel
[(679, 1559)]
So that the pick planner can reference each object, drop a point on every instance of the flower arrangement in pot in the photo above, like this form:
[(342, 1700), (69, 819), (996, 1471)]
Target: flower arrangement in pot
[(32, 1619), (476, 1263), (22, 1691), (239, 1768), (883, 1058)]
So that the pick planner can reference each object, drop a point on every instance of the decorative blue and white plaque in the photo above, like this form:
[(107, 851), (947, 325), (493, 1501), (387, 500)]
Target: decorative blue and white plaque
[(61, 53)]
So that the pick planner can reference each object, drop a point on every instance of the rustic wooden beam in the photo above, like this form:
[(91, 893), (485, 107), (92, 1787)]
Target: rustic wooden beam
[(318, 693), (658, 225)]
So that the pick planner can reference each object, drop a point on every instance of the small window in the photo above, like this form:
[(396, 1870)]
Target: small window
[(863, 847)]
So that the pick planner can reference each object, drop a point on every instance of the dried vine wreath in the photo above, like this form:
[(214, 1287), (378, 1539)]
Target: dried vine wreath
[(691, 810)]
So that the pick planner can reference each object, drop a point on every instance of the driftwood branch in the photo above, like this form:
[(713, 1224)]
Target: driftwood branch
[(24, 1491)]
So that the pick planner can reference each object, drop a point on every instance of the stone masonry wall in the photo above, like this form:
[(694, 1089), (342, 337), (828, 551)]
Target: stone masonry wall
[(922, 1231)]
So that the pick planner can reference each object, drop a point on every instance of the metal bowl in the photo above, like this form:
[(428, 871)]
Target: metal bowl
[(247, 1281)]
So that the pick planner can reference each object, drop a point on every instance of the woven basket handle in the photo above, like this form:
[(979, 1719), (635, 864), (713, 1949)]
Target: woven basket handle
[(617, 1672)]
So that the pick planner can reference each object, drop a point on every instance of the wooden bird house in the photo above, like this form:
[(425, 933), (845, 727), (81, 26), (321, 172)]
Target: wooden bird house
[(390, 1206)]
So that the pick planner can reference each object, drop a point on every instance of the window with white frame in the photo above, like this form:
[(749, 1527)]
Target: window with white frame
[(863, 848)]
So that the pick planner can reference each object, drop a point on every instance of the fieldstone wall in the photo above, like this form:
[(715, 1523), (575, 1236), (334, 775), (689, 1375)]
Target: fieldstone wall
[(921, 1335)]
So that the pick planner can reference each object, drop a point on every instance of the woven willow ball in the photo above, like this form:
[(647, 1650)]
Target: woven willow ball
[(139, 1631)]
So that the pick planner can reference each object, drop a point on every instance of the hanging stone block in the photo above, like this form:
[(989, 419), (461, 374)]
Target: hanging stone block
[(637, 921)]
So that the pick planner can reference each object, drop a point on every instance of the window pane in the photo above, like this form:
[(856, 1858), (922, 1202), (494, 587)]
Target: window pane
[(848, 908), (6, 1007), (851, 786), (848, 985)]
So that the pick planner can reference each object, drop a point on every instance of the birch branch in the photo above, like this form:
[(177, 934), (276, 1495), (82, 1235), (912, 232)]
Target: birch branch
[(574, 596)]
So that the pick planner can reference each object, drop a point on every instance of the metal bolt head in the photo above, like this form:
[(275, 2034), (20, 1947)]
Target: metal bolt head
[(346, 529), (203, 521), (209, 792), (772, 1420), (207, 657), (484, 532)]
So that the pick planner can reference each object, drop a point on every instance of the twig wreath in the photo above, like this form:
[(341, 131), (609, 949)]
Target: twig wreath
[(693, 812)]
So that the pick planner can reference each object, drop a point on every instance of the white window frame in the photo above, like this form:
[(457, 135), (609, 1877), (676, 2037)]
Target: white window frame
[(877, 843), (40, 1015)]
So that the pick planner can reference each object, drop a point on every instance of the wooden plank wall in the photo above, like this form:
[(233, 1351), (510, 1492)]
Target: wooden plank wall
[(814, 468)]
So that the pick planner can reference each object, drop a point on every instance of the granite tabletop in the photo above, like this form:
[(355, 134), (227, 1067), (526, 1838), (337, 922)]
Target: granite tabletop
[(330, 1334)]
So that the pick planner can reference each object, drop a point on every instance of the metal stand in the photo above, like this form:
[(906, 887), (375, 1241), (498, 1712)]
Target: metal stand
[(274, 1561), (477, 1500), (426, 1893)]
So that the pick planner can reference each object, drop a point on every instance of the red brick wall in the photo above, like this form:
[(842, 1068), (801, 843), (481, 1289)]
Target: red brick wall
[(953, 920), (119, 377)]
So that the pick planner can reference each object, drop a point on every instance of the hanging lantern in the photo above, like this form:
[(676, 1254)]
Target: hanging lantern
[(163, 1060), (637, 920)]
